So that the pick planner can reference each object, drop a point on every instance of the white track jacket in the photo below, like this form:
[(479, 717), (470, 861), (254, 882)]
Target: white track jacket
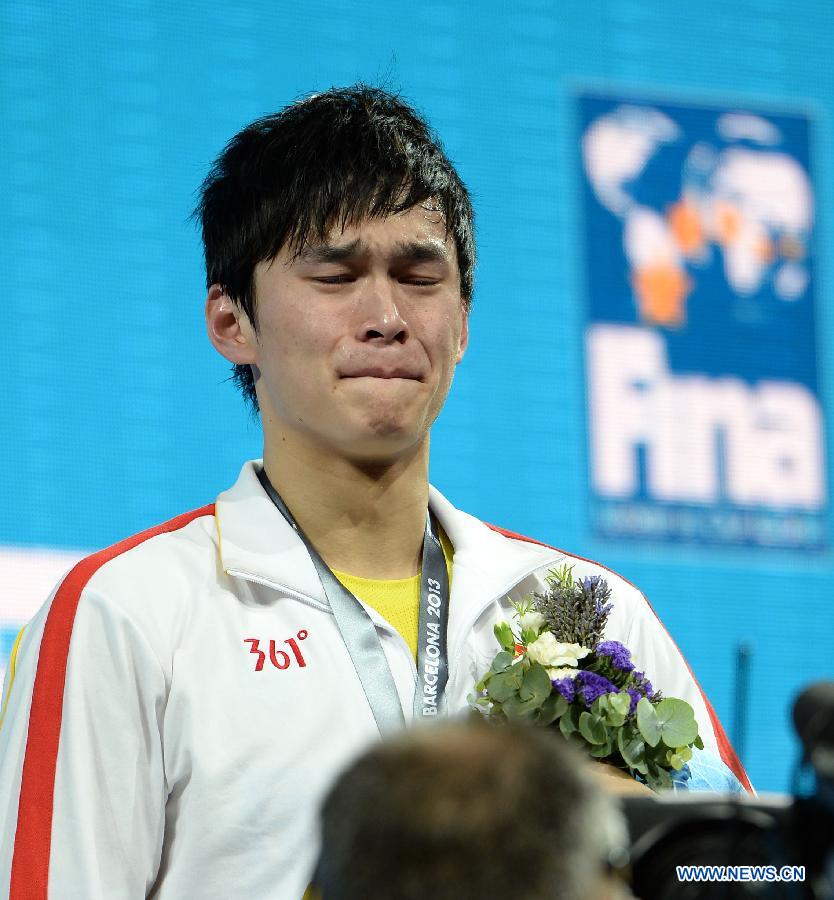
[(184, 699)]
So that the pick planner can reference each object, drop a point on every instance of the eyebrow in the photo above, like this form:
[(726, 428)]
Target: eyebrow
[(423, 251), (416, 251), (324, 253)]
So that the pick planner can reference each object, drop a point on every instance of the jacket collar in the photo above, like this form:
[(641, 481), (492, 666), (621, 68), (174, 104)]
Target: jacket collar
[(257, 543)]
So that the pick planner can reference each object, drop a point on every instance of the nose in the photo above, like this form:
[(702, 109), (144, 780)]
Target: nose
[(382, 321)]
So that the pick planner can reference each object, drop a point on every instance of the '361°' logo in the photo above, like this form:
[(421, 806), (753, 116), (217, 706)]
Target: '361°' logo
[(279, 658)]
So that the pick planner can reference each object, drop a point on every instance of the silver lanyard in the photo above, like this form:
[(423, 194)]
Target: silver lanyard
[(362, 641)]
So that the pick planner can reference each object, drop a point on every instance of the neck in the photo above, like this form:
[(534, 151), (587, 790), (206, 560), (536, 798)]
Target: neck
[(364, 519)]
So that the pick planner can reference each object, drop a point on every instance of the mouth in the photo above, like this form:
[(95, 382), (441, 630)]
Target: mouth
[(384, 374)]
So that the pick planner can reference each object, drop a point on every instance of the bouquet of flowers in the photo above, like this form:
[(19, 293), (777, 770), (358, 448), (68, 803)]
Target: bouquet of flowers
[(554, 669)]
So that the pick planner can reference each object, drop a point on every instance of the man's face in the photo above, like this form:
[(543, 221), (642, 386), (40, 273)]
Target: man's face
[(359, 336)]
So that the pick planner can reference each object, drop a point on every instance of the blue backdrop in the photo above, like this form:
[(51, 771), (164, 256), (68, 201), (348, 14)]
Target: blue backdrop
[(118, 413)]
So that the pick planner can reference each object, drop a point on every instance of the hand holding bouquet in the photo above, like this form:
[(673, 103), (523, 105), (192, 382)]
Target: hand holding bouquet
[(554, 669)]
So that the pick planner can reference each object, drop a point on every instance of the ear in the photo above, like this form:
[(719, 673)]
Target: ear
[(229, 329), (464, 337)]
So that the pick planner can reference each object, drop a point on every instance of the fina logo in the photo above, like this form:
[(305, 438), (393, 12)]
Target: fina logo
[(766, 439), (704, 419)]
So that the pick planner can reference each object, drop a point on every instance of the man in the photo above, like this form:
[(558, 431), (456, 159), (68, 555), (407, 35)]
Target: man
[(184, 698), (468, 810)]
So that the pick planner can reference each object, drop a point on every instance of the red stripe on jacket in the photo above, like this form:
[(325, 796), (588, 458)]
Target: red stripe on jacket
[(725, 748), (33, 839)]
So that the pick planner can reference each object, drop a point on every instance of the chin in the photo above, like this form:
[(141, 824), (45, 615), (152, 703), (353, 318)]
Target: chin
[(385, 443)]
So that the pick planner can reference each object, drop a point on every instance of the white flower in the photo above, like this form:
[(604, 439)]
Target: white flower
[(547, 651), (532, 620), (562, 672)]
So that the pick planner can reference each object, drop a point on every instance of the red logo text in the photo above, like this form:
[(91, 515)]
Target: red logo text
[(279, 657)]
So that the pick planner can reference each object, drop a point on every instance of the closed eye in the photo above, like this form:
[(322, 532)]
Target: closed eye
[(334, 279), (419, 282)]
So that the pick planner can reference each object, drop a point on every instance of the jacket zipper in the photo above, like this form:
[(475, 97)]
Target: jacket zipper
[(304, 598)]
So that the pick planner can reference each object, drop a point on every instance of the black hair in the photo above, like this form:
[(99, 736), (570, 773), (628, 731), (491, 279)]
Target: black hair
[(333, 158), (461, 811)]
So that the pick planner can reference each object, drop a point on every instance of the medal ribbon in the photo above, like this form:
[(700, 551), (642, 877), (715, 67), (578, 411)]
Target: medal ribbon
[(362, 641)]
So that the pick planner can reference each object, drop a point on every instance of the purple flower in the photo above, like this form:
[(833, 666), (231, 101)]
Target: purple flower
[(602, 609), (644, 685), (636, 697), (619, 655), (565, 687), (590, 685)]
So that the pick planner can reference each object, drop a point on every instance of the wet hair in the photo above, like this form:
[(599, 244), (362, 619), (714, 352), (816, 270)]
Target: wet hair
[(331, 159)]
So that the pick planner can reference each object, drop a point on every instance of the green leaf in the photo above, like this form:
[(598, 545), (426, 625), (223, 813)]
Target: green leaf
[(678, 727), (506, 638), (675, 761), (568, 723), (698, 743), (517, 709), (633, 749), (503, 660), (614, 719), (501, 687), (601, 751), (592, 728), (612, 715), (620, 702), (604, 707), (563, 576), (477, 700), (515, 674), (648, 723), (536, 684), (553, 708)]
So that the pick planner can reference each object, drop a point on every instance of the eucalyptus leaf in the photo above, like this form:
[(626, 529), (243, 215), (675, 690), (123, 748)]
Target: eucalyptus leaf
[(648, 723), (475, 700), (568, 724), (620, 702), (536, 685), (602, 707), (517, 709), (632, 748), (553, 708), (502, 686), (678, 727), (592, 728), (503, 660), (601, 751), (607, 710)]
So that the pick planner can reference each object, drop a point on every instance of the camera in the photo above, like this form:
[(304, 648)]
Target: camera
[(692, 846)]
